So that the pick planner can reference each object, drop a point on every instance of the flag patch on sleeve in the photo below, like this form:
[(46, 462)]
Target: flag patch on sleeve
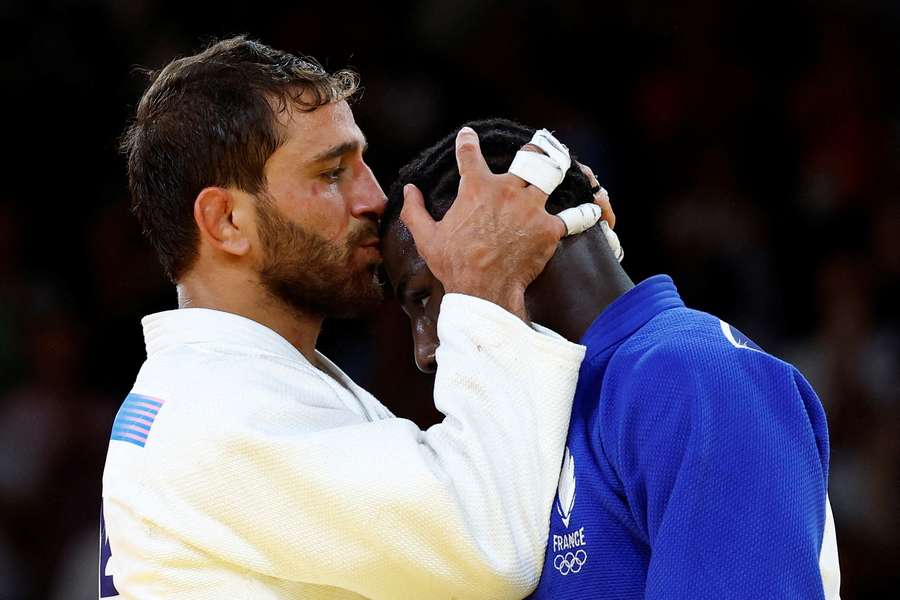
[(135, 418)]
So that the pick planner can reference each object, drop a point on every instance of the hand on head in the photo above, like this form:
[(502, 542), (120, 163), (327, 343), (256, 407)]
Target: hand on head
[(601, 196), (495, 239)]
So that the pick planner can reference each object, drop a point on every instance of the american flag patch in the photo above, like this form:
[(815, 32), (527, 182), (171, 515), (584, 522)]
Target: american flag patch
[(135, 418)]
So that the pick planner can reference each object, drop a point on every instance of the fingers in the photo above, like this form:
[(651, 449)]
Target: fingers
[(613, 240), (516, 179), (559, 227), (601, 197), (589, 173), (579, 218), (532, 192), (532, 166), (469, 159), (415, 217), (523, 189)]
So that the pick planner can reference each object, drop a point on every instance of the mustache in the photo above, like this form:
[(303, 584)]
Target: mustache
[(363, 235)]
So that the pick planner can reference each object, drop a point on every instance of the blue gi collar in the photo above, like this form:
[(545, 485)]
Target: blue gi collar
[(630, 311)]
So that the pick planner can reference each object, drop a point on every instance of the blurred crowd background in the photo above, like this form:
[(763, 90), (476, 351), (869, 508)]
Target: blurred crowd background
[(751, 151)]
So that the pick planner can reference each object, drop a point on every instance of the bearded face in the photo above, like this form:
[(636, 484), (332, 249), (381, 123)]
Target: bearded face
[(314, 275)]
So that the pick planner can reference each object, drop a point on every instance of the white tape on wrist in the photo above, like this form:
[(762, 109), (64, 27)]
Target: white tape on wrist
[(544, 171)]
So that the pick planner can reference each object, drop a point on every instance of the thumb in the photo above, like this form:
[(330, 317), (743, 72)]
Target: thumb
[(469, 159), (414, 215)]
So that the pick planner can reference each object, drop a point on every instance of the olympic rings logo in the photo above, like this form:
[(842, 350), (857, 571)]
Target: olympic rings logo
[(570, 562)]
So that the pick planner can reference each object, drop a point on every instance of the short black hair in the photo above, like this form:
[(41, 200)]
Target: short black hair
[(210, 120), (435, 173)]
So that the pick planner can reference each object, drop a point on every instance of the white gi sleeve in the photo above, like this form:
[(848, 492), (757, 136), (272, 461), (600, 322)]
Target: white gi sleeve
[(387, 510)]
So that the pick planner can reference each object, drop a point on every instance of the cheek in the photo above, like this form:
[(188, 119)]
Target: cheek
[(437, 296), (320, 209), (425, 331)]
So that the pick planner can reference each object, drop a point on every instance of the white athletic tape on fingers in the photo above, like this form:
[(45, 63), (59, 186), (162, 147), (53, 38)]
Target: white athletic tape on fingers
[(579, 218), (613, 240), (544, 171), (554, 148), (537, 169)]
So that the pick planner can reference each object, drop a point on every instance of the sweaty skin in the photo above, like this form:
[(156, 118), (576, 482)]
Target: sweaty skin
[(579, 281), (462, 266)]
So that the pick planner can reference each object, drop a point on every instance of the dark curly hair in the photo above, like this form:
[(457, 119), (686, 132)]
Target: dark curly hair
[(434, 171)]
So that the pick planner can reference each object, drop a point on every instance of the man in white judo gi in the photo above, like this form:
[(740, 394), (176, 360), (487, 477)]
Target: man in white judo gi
[(244, 464)]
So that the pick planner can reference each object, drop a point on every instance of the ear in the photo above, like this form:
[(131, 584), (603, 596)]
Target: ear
[(215, 211)]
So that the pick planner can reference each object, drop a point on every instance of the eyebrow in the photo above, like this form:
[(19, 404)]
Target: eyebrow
[(340, 150)]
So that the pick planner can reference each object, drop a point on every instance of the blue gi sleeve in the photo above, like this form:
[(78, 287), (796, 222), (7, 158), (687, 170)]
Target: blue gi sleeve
[(722, 455)]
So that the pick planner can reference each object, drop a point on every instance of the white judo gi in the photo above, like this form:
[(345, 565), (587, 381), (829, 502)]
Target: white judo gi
[(237, 469)]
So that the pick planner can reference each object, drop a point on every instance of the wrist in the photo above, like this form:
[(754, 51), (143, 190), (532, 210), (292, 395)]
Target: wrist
[(510, 298)]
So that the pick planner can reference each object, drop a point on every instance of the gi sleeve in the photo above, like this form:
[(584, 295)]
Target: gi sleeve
[(723, 458), (387, 510)]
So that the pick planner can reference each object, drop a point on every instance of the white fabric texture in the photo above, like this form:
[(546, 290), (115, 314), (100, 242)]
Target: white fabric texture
[(829, 566), (265, 477)]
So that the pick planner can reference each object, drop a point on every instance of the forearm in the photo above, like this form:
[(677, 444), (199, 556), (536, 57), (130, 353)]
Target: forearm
[(507, 391), (381, 507)]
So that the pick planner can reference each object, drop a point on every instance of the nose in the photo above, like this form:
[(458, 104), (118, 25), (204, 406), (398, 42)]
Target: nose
[(425, 340), (425, 359), (368, 197)]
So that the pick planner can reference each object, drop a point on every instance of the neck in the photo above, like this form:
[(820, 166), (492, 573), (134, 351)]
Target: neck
[(219, 292), (579, 282)]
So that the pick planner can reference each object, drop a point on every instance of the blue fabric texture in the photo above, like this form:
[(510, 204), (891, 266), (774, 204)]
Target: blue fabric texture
[(696, 465)]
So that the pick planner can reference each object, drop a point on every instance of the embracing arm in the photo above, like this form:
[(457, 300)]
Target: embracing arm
[(382, 508)]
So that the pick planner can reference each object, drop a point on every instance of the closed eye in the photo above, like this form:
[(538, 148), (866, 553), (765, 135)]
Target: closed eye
[(419, 300), (333, 175)]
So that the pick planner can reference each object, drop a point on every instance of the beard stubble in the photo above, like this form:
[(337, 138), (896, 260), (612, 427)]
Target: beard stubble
[(314, 275)]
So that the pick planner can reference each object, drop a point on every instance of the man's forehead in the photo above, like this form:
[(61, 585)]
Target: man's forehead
[(315, 132)]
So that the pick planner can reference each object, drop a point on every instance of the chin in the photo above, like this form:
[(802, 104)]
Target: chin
[(367, 296)]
